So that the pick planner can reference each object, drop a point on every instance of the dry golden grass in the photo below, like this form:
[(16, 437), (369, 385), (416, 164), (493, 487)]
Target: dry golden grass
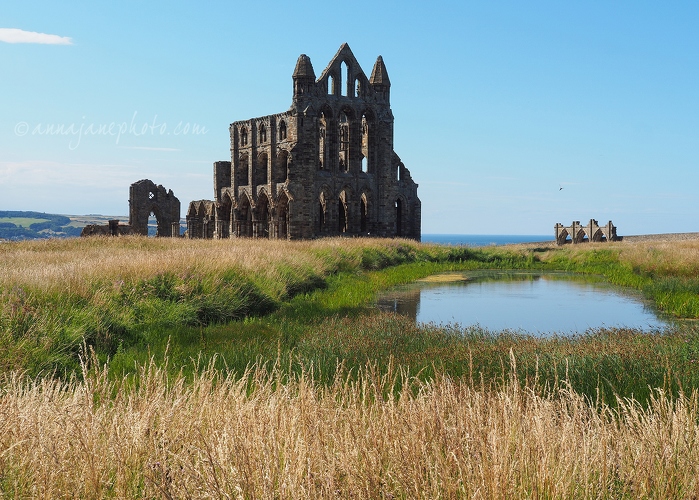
[(663, 256), (268, 436), (75, 265)]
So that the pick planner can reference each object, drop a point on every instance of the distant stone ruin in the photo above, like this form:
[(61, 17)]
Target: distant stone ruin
[(113, 228), (145, 198), (579, 233)]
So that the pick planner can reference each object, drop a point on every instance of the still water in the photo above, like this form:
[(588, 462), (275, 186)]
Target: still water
[(535, 303)]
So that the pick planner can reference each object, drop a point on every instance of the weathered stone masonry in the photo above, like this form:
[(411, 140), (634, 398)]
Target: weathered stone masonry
[(324, 167)]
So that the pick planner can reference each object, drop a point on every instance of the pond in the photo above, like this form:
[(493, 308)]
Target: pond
[(528, 302)]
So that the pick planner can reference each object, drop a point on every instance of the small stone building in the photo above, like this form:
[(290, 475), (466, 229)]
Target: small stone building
[(325, 167)]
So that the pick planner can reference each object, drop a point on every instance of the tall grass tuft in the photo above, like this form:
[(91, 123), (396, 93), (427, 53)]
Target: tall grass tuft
[(275, 433)]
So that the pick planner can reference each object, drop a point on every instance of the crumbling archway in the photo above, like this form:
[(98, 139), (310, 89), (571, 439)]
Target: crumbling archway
[(146, 198)]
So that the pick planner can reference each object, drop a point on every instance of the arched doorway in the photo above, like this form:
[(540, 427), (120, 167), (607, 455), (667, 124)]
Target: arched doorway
[(243, 223), (203, 220), (153, 224), (283, 216), (223, 217), (262, 220)]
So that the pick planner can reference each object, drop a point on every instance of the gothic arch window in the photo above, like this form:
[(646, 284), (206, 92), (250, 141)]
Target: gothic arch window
[(263, 133), (243, 136), (323, 123), (282, 169), (261, 170), (357, 88), (242, 175), (399, 217), (344, 140), (282, 130), (367, 129), (331, 84), (344, 78)]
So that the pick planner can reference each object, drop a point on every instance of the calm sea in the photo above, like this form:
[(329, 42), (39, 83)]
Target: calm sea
[(484, 240)]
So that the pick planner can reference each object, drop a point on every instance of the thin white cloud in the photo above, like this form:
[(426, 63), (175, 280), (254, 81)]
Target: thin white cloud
[(14, 35)]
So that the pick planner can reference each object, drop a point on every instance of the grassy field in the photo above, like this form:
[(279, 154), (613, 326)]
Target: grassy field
[(157, 367), (21, 221)]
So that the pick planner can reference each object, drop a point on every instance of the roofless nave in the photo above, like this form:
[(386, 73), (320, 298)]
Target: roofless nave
[(325, 167)]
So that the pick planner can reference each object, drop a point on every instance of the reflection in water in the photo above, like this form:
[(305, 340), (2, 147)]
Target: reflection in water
[(405, 302), (531, 302)]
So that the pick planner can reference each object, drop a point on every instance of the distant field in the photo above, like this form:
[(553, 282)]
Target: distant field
[(21, 221), (21, 225)]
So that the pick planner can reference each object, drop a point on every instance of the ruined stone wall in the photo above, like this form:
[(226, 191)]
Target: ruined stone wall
[(113, 228), (579, 233), (146, 198)]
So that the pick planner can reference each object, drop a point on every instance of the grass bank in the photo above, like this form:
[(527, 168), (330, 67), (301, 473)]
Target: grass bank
[(112, 294)]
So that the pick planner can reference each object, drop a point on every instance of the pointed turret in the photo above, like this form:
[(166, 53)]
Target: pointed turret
[(304, 68), (304, 77), (379, 75), (379, 79)]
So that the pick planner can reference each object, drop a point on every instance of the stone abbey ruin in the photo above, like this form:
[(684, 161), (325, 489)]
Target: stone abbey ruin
[(579, 233), (325, 167)]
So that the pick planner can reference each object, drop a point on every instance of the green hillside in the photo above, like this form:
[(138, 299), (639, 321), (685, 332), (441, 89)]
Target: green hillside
[(26, 225)]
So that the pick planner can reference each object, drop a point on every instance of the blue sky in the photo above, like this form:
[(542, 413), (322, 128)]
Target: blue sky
[(498, 105)]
